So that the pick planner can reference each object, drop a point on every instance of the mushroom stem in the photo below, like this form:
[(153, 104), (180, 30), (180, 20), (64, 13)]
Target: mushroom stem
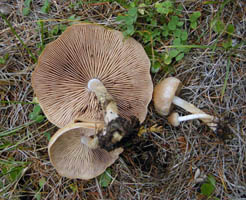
[(106, 100), (175, 119), (92, 143), (194, 116), (194, 110), (116, 127)]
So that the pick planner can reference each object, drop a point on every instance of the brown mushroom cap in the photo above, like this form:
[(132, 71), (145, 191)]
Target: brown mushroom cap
[(173, 119), (164, 93), (84, 52), (73, 159)]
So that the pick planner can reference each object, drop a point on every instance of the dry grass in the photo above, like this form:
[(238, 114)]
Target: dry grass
[(174, 153)]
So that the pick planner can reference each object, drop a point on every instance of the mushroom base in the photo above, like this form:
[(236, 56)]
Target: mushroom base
[(118, 132)]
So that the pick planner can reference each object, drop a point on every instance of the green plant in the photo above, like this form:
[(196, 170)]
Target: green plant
[(27, 7), (218, 26), (193, 19), (36, 115), (208, 188), (128, 20), (47, 135), (174, 30), (42, 31), (4, 59), (41, 184), (227, 44), (46, 7), (76, 4), (165, 7), (10, 174), (105, 178), (18, 37)]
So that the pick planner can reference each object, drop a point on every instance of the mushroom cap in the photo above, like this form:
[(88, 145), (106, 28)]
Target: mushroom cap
[(173, 119), (164, 93), (84, 52), (73, 159)]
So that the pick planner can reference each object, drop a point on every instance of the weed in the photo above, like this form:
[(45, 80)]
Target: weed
[(11, 172), (18, 37), (128, 20), (193, 19), (4, 59), (105, 178), (36, 115), (46, 7), (27, 7), (41, 184), (165, 23), (165, 7), (208, 188)]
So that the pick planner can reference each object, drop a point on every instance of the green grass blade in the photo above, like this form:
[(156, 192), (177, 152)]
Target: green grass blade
[(14, 130), (18, 37), (226, 79), (17, 102)]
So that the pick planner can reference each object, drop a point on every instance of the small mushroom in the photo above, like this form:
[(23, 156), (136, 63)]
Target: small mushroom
[(74, 156), (165, 94), (175, 119)]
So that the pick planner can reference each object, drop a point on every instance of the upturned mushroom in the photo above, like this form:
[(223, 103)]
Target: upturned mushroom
[(165, 94), (85, 150), (74, 155), (87, 52)]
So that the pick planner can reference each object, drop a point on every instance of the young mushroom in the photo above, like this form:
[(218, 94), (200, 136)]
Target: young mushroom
[(85, 53), (165, 94), (74, 156)]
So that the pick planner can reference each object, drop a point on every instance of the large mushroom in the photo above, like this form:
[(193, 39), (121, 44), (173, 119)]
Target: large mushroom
[(166, 93), (85, 150), (87, 52), (75, 155)]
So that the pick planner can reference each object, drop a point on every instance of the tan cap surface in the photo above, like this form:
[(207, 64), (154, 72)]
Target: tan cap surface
[(73, 159), (84, 52), (164, 93)]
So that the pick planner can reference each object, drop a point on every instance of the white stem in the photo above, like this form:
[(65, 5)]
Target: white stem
[(194, 110), (186, 105), (106, 100), (92, 143), (193, 116)]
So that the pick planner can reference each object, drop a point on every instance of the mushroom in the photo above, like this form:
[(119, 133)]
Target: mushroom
[(165, 94), (86, 52), (74, 156)]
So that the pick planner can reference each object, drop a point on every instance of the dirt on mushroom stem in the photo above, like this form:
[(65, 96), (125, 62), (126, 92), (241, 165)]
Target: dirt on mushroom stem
[(117, 130)]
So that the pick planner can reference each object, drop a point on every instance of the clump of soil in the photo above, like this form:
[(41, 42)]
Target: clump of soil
[(118, 132), (139, 152)]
